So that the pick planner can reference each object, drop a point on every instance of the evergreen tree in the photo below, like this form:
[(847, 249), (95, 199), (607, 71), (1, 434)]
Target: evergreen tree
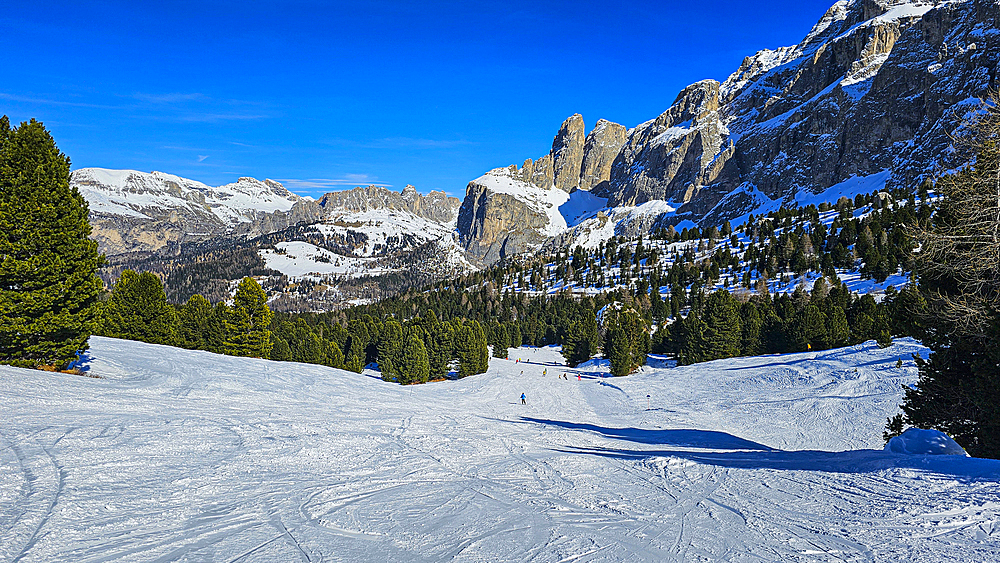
[(215, 331), (248, 326), (581, 341), (280, 351), (415, 367), (354, 363), (723, 334), (626, 341), (839, 330), (812, 330), (48, 282), (480, 351), (334, 356), (390, 349), (751, 324), (440, 348), (138, 310), (195, 317), (692, 344)]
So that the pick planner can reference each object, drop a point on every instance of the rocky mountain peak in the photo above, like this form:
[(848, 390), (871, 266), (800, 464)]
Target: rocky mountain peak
[(436, 206), (567, 153), (866, 100)]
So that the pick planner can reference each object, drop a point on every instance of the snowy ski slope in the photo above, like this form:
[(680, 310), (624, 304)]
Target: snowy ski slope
[(187, 456)]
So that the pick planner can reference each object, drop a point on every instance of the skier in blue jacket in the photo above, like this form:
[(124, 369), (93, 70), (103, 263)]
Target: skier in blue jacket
[(523, 399)]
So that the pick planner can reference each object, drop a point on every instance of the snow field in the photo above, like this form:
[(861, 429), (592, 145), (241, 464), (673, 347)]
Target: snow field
[(182, 455)]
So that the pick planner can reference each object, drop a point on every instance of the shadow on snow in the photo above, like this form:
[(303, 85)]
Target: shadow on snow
[(735, 452)]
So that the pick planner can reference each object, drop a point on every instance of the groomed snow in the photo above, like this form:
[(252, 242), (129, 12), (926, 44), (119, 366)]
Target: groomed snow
[(185, 455)]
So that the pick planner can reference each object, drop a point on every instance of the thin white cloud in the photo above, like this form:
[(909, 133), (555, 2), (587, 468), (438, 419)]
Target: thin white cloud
[(202, 157), (169, 98), (401, 142), (320, 184)]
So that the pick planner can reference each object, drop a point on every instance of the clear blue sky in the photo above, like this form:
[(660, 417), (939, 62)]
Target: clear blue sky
[(329, 95)]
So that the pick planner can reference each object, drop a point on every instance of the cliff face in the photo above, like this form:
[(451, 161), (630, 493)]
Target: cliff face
[(874, 90), (502, 215), (436, 206), (137, 211)]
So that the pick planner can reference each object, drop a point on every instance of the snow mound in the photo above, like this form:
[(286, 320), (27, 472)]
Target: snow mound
[(916, 441)]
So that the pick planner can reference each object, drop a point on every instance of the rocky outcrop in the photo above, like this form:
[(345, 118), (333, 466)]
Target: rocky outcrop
[(873, 91), (600, 149), (436, 206), (674, 156), (133, 211), (567, 154), (502, 215)]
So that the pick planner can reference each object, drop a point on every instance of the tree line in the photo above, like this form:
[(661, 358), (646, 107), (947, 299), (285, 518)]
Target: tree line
[(51, 302)]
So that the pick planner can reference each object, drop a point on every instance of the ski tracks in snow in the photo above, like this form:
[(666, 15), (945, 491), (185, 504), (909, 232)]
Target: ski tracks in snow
[(180, 455)]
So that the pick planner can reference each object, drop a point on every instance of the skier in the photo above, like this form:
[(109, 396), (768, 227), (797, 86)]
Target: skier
[(545, 371), (523, 399), (578, 378)]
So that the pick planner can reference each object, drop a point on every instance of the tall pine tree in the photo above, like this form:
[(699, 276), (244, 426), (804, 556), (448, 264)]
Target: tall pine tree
[(138, 310), (48, 265), (248, 330)]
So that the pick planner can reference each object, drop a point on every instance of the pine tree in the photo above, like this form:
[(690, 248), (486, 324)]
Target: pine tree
[(581, 341), (691, 347), (195, 317), (334, 356), (723, 333), (390, 346), (626, 341), (48, 281), (811, 329), (248, 330), (500, 341), (354, 363), (415, 368), (215, 331), (138, 310), (839, 330), (280, 351)]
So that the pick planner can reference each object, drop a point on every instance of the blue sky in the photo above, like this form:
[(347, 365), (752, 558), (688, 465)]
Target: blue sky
[(330, 95)]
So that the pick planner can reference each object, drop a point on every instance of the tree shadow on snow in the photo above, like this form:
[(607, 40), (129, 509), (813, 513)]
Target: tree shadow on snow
[(735, 452), (679, 437)]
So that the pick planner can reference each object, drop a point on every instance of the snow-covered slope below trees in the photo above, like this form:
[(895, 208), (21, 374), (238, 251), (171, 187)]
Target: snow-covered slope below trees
[(181, 455)]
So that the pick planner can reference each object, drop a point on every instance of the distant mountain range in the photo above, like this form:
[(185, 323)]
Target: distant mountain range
[(867, 100)]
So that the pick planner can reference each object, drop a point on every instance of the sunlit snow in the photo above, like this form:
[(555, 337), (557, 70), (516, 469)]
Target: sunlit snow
[(186, 455)]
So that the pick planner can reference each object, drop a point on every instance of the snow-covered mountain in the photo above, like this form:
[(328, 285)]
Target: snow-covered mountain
[(867, 100), (165, 223), (131, 210), (186, 455)]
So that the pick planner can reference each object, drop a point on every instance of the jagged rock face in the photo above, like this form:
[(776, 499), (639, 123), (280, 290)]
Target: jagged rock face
[(502, 215), (672, 157), (883, 93), (874, 91), (436, 206), (600, 149), (567, 154)]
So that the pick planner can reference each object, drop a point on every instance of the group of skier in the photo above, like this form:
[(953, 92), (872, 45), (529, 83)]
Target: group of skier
[(545, 371)]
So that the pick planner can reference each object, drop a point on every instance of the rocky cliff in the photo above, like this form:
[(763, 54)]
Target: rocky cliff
[(869, 98), (436, 206), (138, 211)]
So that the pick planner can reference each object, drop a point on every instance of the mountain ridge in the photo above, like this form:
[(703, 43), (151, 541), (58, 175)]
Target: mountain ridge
[(873, 91)]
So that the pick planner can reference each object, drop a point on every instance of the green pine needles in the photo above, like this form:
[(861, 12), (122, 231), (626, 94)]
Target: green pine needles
[(48, 265), (248, 330)]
